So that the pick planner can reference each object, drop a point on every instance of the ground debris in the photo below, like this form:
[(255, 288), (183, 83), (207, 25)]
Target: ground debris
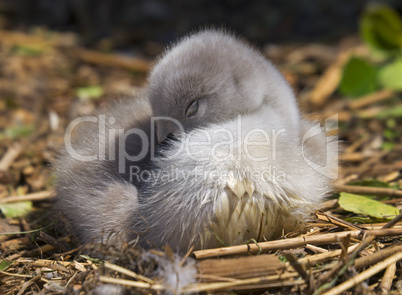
[(44, 85)]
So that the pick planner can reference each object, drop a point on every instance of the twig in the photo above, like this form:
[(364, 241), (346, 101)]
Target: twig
[(356, 144), (364, 275), (387, 278), (343, 264), (377, 256), (370, 99), (337, 221), (314, 259), (12, 153), (352, 157), (329, 81), (393, 221), (95, 57), (378, 191), (292, 243), (39, 196), (58, 244), (300, 268), (29, 283)]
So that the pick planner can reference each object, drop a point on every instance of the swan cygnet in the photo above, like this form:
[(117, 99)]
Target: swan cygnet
[(225, 155)]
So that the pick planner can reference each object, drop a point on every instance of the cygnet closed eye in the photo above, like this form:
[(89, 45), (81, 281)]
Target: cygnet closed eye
[(192, 109)]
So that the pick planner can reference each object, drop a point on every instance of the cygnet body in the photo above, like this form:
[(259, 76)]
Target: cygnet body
[(242, 163)]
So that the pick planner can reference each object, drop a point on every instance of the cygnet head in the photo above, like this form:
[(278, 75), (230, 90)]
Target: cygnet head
[(212, 77)]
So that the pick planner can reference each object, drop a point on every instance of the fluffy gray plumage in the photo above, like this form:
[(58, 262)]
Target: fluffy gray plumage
[(209, 186)]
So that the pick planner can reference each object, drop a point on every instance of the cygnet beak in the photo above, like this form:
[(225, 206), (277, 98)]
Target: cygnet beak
[(166, 128)]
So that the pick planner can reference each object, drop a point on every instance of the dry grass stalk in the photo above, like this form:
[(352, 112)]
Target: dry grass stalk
[(15, 274), (142, 285), (248, 283), (29, 283), (321, 239), (15, 244), (370, 99), (364, 275), (47, 263), (378, 191), (128, 273), (39, 196)]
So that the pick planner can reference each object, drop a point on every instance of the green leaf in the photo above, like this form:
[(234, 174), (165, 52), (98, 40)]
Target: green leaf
[(370, 182), (363, 205), (17, 131), (360, 220), (94, 260), (390, 76), (388, 146), (392, 112), (89, 92), (17, 209), (5, 264), (381, 28), (359, 78), (26, 50)]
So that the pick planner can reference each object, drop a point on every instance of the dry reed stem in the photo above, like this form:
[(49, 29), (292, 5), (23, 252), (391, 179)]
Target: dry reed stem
[(353, 157), (329, 81), (39, 196), (321, 239), (377, 256), (202, 287), (128, 272), (316, 249), (364, 275), (387, 278), (313, 259), (378, 191), (270, 285), (242, 267), (12, 153)]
